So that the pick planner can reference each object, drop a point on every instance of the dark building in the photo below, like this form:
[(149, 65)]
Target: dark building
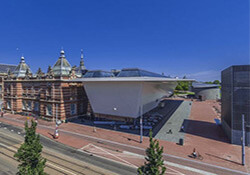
[(235, 101)]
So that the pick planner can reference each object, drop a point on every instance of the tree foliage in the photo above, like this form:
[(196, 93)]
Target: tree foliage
[(216, 82), (29, 153), (182, 86), (154, 164), (213, 82)]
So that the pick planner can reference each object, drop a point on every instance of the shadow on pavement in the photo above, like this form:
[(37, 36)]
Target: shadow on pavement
[(237, 163), (205, 129)]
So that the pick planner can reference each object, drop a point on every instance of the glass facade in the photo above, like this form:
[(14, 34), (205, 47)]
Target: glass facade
[(137, 73), (96, 74)]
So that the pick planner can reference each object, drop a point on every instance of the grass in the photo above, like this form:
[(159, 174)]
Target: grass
[(183, 92)]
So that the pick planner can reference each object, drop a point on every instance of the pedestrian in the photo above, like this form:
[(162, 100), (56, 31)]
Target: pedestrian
[(1, 113)]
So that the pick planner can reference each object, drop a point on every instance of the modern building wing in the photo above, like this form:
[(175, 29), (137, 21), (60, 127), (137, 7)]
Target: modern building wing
[(235, 101), (206, 91), (120, 98)]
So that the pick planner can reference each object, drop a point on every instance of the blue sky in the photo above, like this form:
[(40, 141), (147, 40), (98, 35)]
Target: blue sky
[(197, 38)]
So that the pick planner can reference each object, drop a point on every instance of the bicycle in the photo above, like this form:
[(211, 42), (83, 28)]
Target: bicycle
[(198, 156)]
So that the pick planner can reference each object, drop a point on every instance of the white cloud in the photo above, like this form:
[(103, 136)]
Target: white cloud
[(209, 75)]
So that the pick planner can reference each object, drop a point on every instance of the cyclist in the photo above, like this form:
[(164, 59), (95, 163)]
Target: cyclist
[(194, 153)]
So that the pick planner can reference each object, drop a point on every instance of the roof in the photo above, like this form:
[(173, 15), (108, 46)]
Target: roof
[(98, 74), (136, 72), (203, 85), (129, 79), (62, 66), (21, 69), (4, 68)]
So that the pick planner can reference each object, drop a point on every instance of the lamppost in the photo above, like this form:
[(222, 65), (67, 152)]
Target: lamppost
[(141, 125), (56, 134)]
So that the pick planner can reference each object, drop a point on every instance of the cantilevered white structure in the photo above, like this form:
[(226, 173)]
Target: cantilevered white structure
[(122, 97)]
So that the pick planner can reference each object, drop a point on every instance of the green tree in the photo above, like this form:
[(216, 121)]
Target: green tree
[(216, 82), (183, 85), (154, 164), (29, 153), (179, 87)]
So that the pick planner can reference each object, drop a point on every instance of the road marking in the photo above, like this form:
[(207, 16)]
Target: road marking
[(177, 172), (188, 168), (8, 147), (114, 155), (57, 167), (85, 146), (13, 149), (138, 148)]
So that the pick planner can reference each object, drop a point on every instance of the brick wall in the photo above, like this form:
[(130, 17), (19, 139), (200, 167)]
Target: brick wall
[(46, 92)]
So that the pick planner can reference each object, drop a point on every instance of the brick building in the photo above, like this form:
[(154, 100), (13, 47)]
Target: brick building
[(4, 69), (46, 94)]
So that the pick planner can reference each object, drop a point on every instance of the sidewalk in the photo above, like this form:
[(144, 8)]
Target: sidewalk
[(202, 134)]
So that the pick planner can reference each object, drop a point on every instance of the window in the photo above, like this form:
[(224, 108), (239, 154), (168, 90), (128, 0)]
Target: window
[(81, 108), (8, 104), (8, 89), (24, 105), (72, 109), (49, 110), (36, 106), (48, 91), (29, 105)]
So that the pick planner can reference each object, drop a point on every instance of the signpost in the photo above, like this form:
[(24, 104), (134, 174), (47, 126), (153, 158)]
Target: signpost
[(56, 134), (141, 126), (243, 139)]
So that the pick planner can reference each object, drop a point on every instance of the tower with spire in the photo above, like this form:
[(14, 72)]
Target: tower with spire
[(81, 70)]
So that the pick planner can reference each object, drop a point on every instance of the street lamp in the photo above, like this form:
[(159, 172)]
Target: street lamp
[(141, 126), (56, 134), (243, 138)]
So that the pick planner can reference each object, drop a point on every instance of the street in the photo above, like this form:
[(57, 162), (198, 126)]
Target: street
[(116, 157), (61, 159)]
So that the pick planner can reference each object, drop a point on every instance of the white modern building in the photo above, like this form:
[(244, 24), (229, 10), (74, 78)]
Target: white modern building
[(121, 97)]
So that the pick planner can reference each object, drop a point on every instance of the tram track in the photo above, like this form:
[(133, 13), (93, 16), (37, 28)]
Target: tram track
[(54, 162)]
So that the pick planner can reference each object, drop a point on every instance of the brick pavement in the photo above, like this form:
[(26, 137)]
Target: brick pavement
[(201, 133)]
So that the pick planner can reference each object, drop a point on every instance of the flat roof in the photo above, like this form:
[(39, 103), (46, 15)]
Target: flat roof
[(203, 85), (129, 79)]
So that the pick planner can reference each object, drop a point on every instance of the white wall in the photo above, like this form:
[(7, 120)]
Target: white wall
[(153, 92), (126, 97)]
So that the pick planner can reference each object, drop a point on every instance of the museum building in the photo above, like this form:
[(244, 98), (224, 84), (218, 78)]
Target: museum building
[(46, 94)]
